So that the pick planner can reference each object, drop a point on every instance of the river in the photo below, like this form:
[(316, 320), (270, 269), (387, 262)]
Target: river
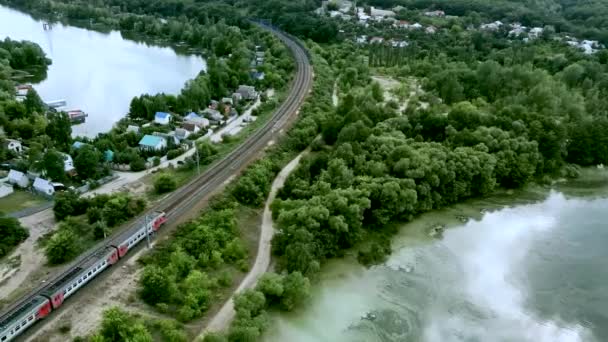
[(99, 73), (533, 268)]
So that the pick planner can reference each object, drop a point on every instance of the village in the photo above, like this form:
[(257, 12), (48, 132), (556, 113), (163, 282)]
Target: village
[(391, 26)]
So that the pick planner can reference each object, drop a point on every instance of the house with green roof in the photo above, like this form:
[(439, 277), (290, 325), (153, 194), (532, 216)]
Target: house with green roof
[(152, 143)]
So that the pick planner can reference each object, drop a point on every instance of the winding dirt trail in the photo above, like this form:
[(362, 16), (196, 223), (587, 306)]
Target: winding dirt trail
[(222, 318)]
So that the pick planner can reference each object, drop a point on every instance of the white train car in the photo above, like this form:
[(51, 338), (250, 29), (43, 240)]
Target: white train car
[(18, 320), (130, 239), (78, 276)]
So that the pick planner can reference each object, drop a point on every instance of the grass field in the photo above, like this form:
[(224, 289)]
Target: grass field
[(19, 200)]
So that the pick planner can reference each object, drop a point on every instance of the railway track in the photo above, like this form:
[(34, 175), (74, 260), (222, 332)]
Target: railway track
[(180, 201)]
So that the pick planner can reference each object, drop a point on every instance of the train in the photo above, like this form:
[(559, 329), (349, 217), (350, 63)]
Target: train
[(50, 297)]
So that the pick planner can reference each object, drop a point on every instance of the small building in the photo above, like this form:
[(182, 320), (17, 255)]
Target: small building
[(18, 178), (236, 97), (438, 13), (376, 40), (491, 26), (133, 128), (213, 104), (68, 163), (77, 145), (430, 30), (361, 39), (227, 100), (415, 26), (247, 92), (152, 143), (192, 116), (197, 121), (162, 118), (535, 32), (380, 13), (43, 186), (108, 156), (182, 134), (213, 115), (403, 24), (5, 190), (257, 75), (13, 145)]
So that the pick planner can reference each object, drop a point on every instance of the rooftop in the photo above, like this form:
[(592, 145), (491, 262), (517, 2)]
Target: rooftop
[(162, 115), (150, 140)]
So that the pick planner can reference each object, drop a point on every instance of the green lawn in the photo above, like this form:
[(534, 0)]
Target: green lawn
[(19, 200)]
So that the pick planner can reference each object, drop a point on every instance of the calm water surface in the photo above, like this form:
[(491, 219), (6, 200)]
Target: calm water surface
[(97, 72), (534, 272)]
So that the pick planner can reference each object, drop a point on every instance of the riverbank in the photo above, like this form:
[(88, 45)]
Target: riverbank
[(406, 297)]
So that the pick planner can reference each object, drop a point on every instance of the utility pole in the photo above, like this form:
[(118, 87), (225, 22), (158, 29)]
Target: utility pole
[(147, 234), (198, 166)]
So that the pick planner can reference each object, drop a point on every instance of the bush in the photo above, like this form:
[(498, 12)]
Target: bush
[(137, 164), (11, 234), (172, 154), (94, 214), (164, 183), (156, 161), (62, 247)]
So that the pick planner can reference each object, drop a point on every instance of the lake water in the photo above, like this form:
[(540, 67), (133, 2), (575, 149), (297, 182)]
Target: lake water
[(99, 73), (535, 272)]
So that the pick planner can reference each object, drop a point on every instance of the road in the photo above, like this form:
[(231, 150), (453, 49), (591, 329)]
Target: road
[(224, 316), (180, 203)]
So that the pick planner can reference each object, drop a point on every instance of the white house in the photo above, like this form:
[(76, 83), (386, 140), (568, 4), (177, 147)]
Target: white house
[(133, 128), (43, 186), (182, 134), (162, 118), (430, 30), (437, 13), (535, 32), (190, 128), (5, 189), (380, 13), (18, 178), (491, 26), (14, 145), (152, 142), (196, 120)]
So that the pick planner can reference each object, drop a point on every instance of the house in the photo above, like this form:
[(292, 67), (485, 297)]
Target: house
[(430, 30), (403, 24), (43, 186), (227, 100), (213, 115), (361, 39), (196, 120), (213, 104), (5, 190), (535, 32), (398, 8), (415, 26), (152, 143), (13, 145), (258, 76), (169, 137), (181, 133), (162, 118), (18, 178), (491, 26), (399, 43), (236, 97), (437, 13), (380, 13), (133, 128), (247, 92), (68, 163), (517, 30), (376, 40), (191, 128)]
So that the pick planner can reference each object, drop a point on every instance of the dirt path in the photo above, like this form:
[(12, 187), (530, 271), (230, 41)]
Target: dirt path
[(27, 258), (334, 94), (222, 319)]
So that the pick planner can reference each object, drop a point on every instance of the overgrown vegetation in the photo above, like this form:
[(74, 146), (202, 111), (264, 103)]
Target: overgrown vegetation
[(11, 234), (87, 220)]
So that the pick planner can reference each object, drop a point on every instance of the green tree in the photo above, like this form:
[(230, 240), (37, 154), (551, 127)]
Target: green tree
[(164, 183), (11, 234), (59, 128), (62, 246), (33, 103), (53, 164), (296, 290), (118, 325), (87, 162), (157, 285)]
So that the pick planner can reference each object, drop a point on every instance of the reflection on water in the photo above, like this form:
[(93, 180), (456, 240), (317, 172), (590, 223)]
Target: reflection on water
[(534, 272), (99, 73)]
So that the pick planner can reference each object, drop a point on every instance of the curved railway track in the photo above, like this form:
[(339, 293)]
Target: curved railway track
[(181, 201)]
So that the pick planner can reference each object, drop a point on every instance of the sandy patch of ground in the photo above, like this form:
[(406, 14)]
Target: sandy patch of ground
[(27, 258), (222, 318), (400, 92)]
